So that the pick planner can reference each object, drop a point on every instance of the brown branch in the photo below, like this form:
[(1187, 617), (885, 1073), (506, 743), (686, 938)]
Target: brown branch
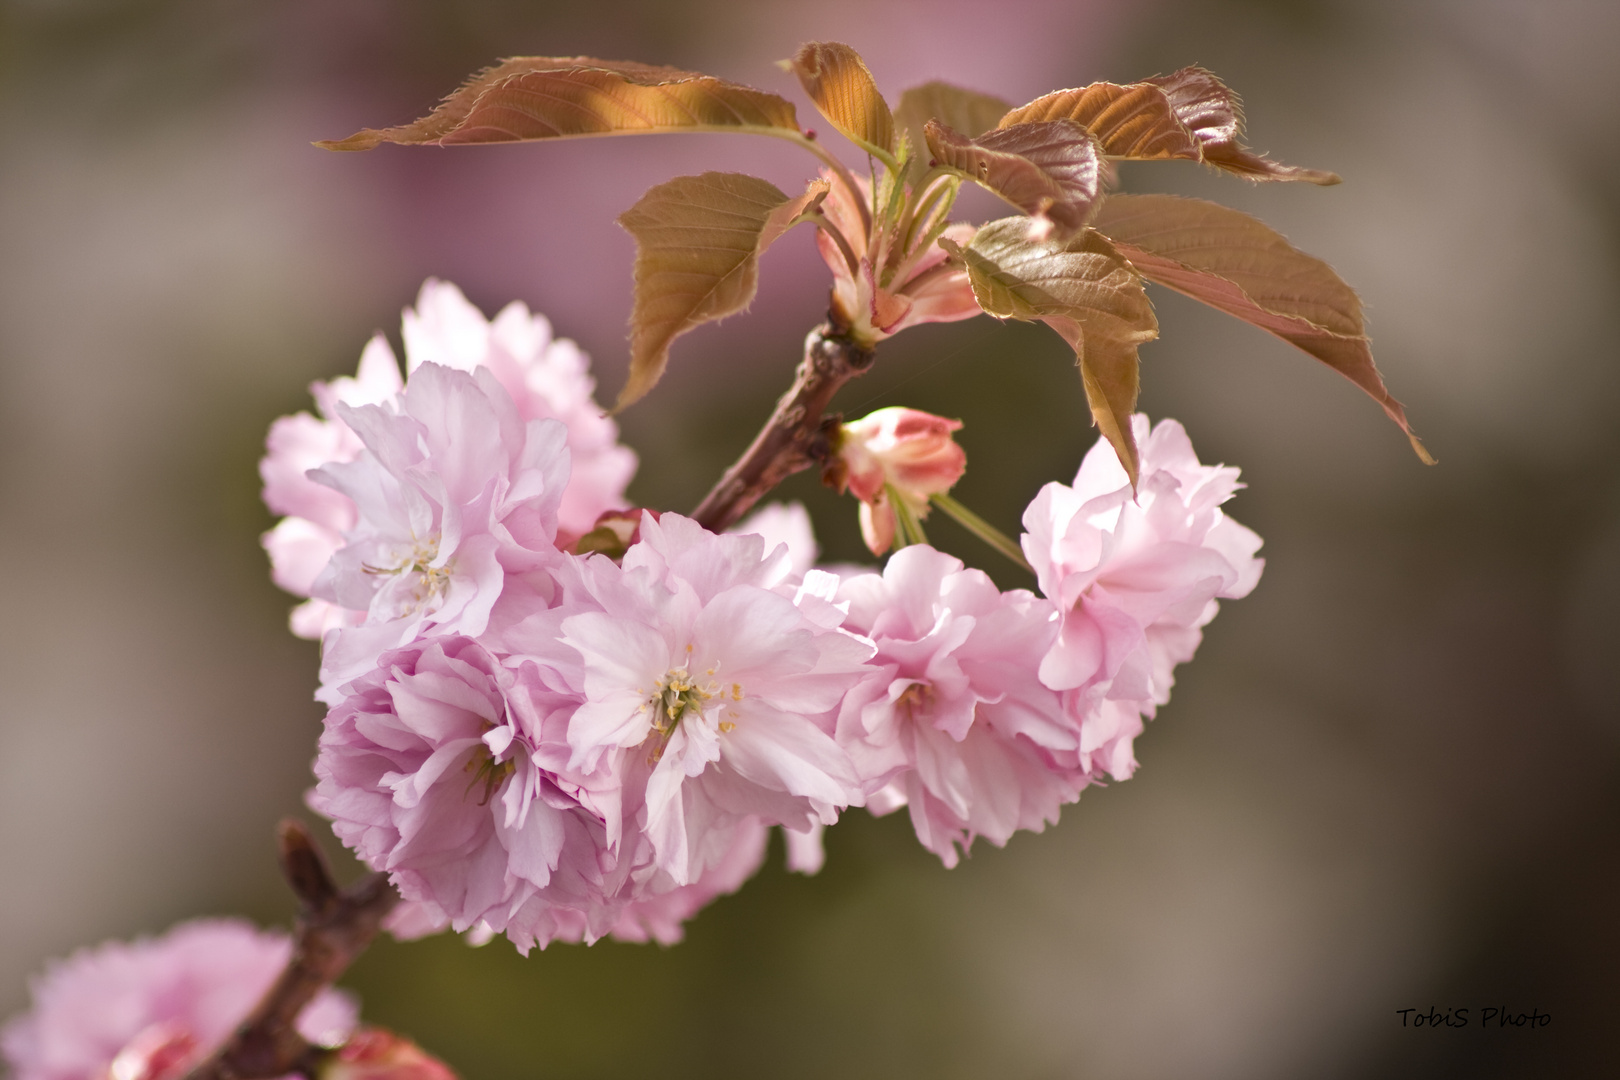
[(793, 438), (334, 927)]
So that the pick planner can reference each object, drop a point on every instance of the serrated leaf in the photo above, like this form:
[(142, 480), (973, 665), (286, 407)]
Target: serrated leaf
[(1188, 115), (1050, 170), (559, 97), (1241, 266), (1214, 114), (1085, 290), (967, 112), (1134, 121), (698, 243), (838, 82)]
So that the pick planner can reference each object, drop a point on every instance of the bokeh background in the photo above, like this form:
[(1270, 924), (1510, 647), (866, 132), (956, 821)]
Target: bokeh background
[(1390, 780)]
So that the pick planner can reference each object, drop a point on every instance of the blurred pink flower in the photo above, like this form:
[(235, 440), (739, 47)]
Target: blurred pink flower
[(955, 722), (376, 1054), (923, 288), (702, 677), (153, 1008), (895, 452), (1136, 579)]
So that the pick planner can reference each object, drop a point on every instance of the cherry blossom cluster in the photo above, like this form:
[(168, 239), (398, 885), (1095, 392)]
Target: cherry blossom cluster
[(154, 1008), (556, 717)]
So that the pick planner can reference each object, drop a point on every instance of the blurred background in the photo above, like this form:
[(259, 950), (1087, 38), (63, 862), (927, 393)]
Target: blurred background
[(1391, 779)]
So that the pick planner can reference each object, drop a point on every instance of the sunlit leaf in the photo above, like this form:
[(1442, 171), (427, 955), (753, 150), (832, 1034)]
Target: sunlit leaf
[(1188, 114), (559, 97), (1214, 114), (1230, 261), (1050, 170), (836, 78), (698, 242), (966, 112), (1133, 121), (1086, 291)]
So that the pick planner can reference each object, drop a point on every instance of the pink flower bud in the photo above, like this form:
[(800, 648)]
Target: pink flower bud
[(906, 451), (377, 1054), (166, 1050)]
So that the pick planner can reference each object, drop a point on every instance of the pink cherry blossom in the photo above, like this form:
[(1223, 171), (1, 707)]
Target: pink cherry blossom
[(547, 378), (453, 492), (895, 453), (431, 769), (376, 1054), (923, 288), (955, 723), (710, 692), (1136, 578), (153, 1008), (659, 916), (304, 541), (784, 523)]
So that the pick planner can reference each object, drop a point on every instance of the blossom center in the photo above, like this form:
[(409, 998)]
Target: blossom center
[(487, 771), (679, 694), (676, 695), (914, 699), (417, 562)]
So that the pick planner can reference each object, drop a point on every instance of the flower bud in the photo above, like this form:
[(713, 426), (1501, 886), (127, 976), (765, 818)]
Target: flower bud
[(378, 1054), (166, 1050), (895, 453)]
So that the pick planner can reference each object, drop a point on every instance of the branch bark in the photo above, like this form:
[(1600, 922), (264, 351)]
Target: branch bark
[(794, 438), (334, 927)]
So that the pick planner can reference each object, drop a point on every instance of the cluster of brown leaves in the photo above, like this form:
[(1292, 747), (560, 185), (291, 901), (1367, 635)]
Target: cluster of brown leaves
[(1074, 259)]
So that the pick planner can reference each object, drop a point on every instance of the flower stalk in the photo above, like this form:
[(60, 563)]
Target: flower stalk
[(981, 528), (334, 927)]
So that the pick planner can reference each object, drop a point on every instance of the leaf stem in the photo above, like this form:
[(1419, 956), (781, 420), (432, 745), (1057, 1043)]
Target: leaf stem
[(838, 168), (981, 528), (922, 194), (824, 223)]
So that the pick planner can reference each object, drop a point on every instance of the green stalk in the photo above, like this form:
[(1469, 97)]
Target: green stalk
[(838, 168), (910, 530), (981, 528)]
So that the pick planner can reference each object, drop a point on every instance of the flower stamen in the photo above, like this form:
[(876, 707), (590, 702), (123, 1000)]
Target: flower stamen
[(678, 695)]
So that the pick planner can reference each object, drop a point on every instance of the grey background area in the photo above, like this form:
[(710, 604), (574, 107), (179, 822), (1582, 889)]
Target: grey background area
[(1388, 781)]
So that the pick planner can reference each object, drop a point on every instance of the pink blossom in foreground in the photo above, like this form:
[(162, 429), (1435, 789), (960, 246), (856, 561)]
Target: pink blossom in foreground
[(376, 1054), (305, 540), (1136, 579), (710, 692), (896, 452), (784, 523), (453, 492), (956, 723), (431, 769), (923, 288), (546, 378), (152, 1008), (659, 917)]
